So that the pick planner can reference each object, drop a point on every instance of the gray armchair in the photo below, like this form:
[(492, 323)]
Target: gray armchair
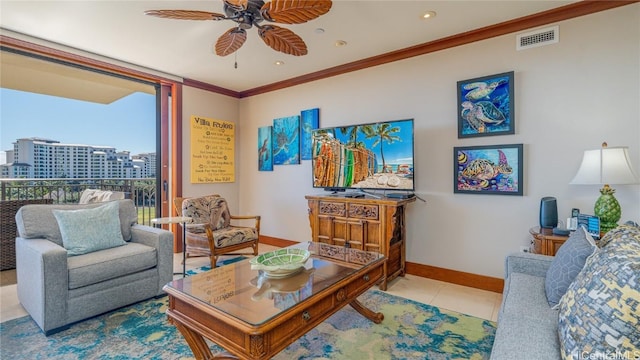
[(57, 289)]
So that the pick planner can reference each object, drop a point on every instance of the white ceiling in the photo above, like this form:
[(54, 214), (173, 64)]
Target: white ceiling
[(120, 30)]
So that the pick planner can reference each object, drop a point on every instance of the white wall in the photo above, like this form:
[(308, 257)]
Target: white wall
[(569, 97), (214, 106)]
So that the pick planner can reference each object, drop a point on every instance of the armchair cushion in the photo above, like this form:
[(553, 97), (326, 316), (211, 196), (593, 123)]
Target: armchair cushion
[(109, 264), (89, 196), (211, 210), (39, 221), (87, 230), (230, 236)]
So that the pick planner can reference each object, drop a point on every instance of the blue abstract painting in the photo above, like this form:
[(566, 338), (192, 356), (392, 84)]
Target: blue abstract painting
[(286, 140), (265, 159), (310, 119)]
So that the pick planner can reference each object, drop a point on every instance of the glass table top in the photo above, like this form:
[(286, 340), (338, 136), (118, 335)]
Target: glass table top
[(253, 297)]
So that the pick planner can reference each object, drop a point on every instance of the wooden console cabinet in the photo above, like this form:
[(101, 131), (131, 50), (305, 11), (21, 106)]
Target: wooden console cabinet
[(367, 223)]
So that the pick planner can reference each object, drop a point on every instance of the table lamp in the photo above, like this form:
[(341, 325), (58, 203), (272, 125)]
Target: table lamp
[(608, 165)]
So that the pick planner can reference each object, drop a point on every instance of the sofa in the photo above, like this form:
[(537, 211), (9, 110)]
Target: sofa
[(77, 261), (596, 310)]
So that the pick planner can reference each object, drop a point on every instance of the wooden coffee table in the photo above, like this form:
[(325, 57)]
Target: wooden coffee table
[(252, 316)]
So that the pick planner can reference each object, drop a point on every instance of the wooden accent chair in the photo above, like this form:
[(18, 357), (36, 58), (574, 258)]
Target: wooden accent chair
[(211, 232)]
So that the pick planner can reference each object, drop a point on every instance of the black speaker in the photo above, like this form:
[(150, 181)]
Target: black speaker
[(548, 212)]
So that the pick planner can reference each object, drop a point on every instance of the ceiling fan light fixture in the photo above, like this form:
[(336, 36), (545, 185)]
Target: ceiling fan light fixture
[(429, 15)]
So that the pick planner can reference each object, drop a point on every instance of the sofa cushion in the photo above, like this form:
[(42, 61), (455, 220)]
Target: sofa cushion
[(87, 230), (524, 298), (38, 221), (567, 263), (108, 264), (517, 338), (600, 313), (619, 233)]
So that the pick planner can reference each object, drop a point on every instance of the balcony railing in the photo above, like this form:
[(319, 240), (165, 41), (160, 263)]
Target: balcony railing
[(68, 191)]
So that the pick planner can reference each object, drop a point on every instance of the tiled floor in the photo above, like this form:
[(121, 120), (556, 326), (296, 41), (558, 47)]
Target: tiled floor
[(479, 303)]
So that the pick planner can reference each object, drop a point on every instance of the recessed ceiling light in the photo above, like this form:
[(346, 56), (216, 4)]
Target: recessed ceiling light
[(340, 43), (319, 31), (429, 14), (279, 62)]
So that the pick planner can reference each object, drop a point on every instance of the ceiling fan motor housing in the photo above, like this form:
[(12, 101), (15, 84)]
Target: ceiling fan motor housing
[(245, 18)]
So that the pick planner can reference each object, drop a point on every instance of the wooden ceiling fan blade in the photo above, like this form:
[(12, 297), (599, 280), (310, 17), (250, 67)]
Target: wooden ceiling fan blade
[(283, 40), (294, 11), (230, 41), (185, 14), (238, 4)]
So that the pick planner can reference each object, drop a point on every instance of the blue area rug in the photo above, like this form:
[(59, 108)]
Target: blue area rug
[(410, 330)]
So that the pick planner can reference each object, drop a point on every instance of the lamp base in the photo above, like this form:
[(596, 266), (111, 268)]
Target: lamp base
[(607, 208)]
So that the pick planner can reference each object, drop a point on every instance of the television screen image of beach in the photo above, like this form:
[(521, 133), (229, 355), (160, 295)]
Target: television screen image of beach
[(375, 156)]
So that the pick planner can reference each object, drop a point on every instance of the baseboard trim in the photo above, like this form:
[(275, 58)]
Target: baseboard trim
[(432, 272), (268, 240), (456, 277)]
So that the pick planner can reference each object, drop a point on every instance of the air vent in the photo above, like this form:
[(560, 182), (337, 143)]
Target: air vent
[(537, 38)]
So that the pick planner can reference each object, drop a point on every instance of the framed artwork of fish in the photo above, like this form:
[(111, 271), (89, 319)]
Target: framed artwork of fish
[(485, 106), (286, 140), (309, 120), (265, 158), (492, 169)]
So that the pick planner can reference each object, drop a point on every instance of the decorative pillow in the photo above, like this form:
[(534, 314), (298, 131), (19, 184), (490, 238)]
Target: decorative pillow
[(620, 232), (87, 230), (567, 263), (600, 313)]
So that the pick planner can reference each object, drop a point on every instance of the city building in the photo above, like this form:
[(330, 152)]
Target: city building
[(40, 158)]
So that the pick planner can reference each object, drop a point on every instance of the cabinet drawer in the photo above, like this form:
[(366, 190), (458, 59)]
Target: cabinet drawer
[(364, 211), (332, 208)]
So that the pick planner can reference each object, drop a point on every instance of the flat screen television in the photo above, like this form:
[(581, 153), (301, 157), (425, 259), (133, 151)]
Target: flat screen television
[(374, 156)]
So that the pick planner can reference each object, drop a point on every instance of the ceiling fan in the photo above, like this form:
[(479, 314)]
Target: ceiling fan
[(250, 13)]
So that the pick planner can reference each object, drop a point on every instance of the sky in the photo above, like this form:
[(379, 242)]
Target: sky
[(126, 124)]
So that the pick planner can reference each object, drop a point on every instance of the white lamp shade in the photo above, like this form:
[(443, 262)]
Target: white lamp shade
[(609, 165)]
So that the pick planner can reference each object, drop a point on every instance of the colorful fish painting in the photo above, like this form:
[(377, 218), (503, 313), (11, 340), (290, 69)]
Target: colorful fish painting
[(494, 169)]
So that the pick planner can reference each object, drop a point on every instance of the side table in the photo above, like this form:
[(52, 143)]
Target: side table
[(545, 242), (183, 220)]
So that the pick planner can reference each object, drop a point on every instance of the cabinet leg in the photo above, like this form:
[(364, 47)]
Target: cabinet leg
[(383, 284)]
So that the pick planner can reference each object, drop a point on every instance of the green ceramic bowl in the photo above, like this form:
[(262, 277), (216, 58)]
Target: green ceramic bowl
[(280, 262)]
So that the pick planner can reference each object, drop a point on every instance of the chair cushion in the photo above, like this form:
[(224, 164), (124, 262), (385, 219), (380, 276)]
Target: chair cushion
[(87, 230), (567, 263), (108, 264), (222, 238), (89, 196), (599, 314), (210, 209), (37, 221)]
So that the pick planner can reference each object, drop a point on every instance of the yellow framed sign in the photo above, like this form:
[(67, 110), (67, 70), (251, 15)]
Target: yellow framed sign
[(212, 150)]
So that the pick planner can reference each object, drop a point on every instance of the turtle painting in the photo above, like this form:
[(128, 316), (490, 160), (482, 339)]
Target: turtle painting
[(488, 169), (480, 113), (482, 90), (484, 169), (485, 106), (286, 143)]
